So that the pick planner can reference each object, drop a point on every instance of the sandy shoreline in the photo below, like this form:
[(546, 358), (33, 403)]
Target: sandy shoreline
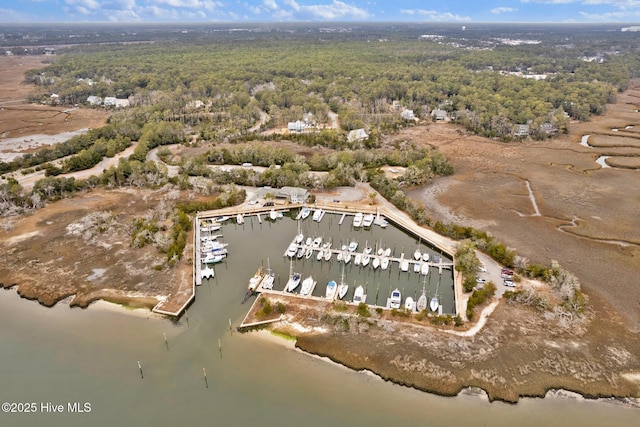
[(10, 148)]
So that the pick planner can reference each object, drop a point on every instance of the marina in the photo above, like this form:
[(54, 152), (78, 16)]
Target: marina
[(324, 244)]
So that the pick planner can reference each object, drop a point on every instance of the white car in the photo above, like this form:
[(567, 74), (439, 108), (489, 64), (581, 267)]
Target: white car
[(509, 283), (482, 268), (480, 280)]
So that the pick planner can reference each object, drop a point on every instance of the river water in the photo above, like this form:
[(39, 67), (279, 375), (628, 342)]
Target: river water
[(60, 355)]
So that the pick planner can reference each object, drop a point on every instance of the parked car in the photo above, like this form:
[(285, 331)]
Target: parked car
[(480, 280), (482, 268), (509, 283)]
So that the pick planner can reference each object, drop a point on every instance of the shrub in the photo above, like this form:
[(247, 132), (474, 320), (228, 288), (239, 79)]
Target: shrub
[(363, 310)]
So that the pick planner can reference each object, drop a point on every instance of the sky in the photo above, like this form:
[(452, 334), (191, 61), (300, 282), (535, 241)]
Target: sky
[(456, 11)]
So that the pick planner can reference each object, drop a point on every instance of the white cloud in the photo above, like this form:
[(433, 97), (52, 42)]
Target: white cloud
[(336, 10), (191, 4), (620, 4), (549, 1), (433, 15), (270, 4), (499, 10), (612, 16)]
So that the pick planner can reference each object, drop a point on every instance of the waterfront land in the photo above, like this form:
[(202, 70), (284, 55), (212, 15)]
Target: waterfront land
[(51, 255)]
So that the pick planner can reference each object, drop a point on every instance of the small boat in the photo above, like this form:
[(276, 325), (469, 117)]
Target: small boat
[(305, 212), (396, 299), (212, 258), (365, 260), (424, 269), (357, 219), (317, 215), (387, 252), (300, 252), (416, 267), (434, 303), (381, 222), (367, 249), (357, 259), (343, 248), (299, 238), (211, 227), (320, 255), (404, 265), (376, 262), (293, 282), (307, 286), (222, 218), (425, 256), (409, 304), (326, 245), (422, 302), (308, 254), (207, 272), (384, 263), (339, 257), (343, 287), (347, 257), (309, 241), (353, 246), (269, 278), (367, 220), (380, 251), (358, 295), (332, 288), (417, 255), (291, 251), (317, 242), (211, 246), (240, 219), (256, 279)]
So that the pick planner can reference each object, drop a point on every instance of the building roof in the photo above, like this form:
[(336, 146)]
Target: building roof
[(357, 135)]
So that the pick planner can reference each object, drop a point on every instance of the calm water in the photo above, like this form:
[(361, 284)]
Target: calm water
[(62, 355), (253, 244)]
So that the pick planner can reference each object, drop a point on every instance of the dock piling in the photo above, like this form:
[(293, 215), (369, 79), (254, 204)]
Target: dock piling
[(140, 367), (204, 373), (165, 340), (220, 348)]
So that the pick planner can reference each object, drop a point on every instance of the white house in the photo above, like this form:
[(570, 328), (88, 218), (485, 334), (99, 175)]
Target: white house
[(94, 100), (109, 101), (357, 135), (408, 115), (439, 114)]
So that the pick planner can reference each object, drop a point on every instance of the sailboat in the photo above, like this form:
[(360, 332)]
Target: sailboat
[(269, 278), (435, 303), (253, 283), (421, 304), (294, 279), (358, 295), (343, 287)]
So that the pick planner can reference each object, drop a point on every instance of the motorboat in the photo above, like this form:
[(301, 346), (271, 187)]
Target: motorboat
[(357, 259), (273, 215), (300, 252), (317, 215), (212, 258), (339, 257), (332, 288), (384, 263), (327, 254), (425, 256), (307, 286), (376, 262), (353, 246), (317, 242), (308, 242), (387, 252), (206, 272), (417, 255), (240, 219), (381, 222), (320, 255), (304, 213), (367, 249), (326, 245), (424, 268), (222, 218), (395, 299), (293, 282), (380, 251), (416, 267), (365, 260), (367, 220), (347, 257), (299, 238), (308, 254), (409, 304), (404, 265), (343, 248), (357, 219), (358, 295), (291, 251)]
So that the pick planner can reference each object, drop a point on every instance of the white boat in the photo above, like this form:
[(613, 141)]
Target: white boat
[(416, 267), (210, 227), (343, 248), (256, 279), (300, 252), (367, 220), (404, 265), (299, 238), (326, 245), (434, 303), (211, 246), (417, 255), (212, 258), (421, 305), (304, 213), (425, 256), (395, 299), (380, 251), (381, 222), (376, 262), (343, 287), (308, 254), (317, 242), (357, 259), (358, 295), (206, 272), (357, 220), (269, 278), (293, 282), (307, 286), (387, 252), (327, 255), (353, 246), (309, 241), (320, 255), (384, 263), (291, 251), (221, 218), (409, 304), (332, 288), (347, 257), (424, 269), (367, 249), (240, 219), (339, 257), (365, 260), (317, 215)]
